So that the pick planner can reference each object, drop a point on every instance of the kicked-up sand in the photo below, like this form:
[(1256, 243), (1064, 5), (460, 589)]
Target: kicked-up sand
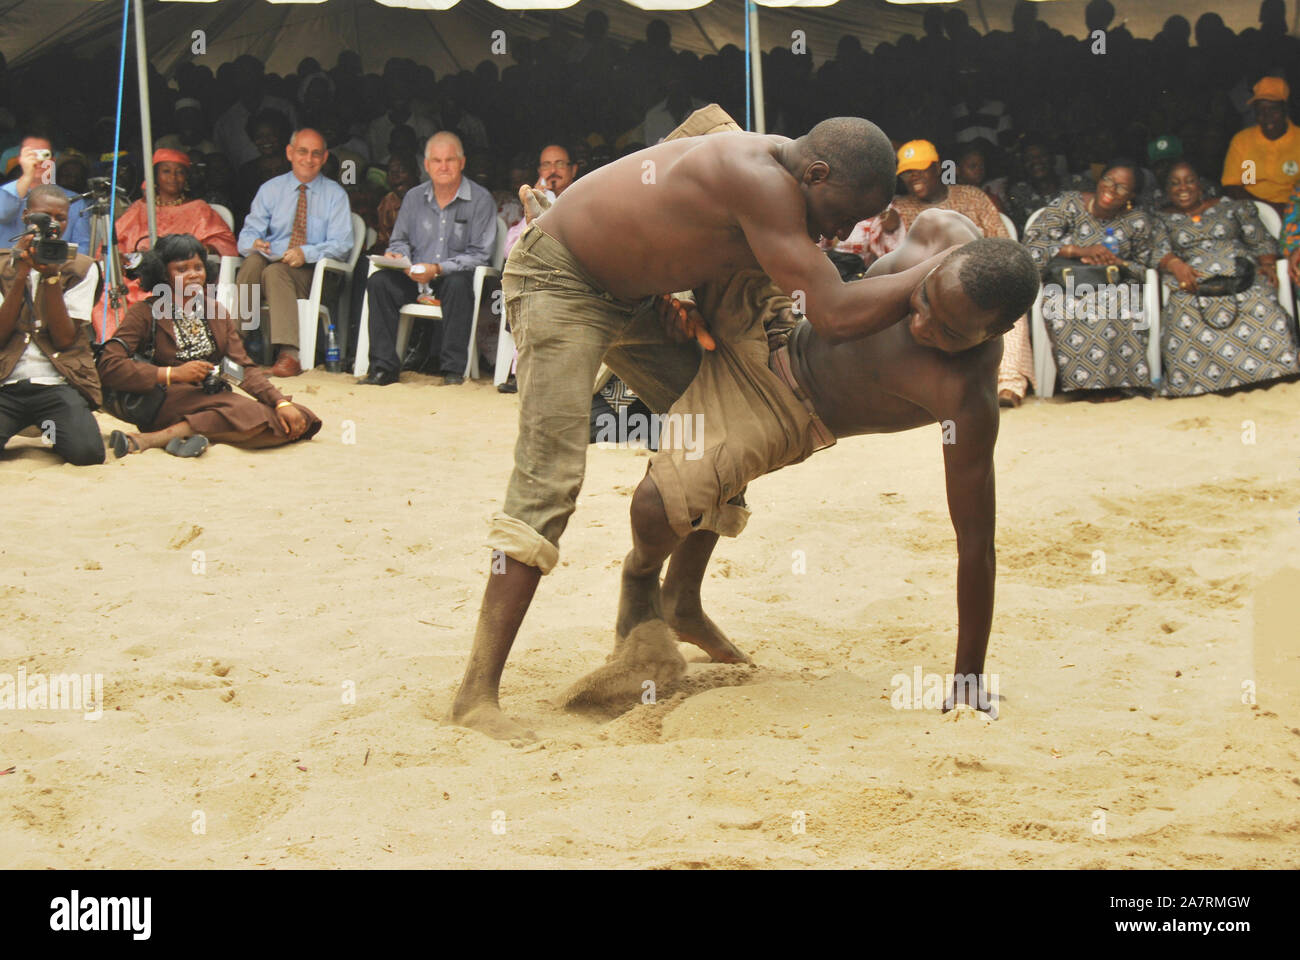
[(278, 633)]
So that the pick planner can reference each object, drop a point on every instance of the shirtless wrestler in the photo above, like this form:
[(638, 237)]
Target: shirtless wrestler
[(760, 413), (580, 288)]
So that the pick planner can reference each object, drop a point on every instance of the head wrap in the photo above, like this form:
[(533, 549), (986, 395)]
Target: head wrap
[(165, 155)]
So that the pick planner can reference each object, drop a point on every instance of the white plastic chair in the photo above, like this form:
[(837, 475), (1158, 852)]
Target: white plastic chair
[(1010, 225), (412, 311), (1045, 363), (311, 310), (1273, 224), (226, 292)]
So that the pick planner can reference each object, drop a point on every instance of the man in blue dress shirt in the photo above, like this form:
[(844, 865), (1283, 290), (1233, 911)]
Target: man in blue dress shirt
[(296, 219), (13, 197), (446, 227)]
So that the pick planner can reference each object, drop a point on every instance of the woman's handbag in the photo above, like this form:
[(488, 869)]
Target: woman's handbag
[(140, 409), (1226, 285), (1074, 274)]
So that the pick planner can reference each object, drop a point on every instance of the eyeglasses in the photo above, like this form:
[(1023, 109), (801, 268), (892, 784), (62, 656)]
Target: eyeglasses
[(554, 164), (1119, 189)]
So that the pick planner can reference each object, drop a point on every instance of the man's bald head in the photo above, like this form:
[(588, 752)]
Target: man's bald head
[(857, 152), (444, 140), (444, 159), (306, 153)]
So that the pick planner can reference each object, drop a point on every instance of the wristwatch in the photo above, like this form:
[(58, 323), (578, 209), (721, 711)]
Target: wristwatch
[(53, 279)]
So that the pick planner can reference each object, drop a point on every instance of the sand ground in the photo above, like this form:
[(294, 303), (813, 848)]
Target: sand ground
[(1148, 590)]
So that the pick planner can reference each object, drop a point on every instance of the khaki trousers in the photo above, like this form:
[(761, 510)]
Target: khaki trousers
[(282, 287)]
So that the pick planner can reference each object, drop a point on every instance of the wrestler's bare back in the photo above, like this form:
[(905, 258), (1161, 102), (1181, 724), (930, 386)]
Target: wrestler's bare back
[(663, 218), (890, 382)]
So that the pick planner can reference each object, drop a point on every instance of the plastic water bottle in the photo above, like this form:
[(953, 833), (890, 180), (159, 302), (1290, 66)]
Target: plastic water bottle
[(332, 362), (1110, 242)]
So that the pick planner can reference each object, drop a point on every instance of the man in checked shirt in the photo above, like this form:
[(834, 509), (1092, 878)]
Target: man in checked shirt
[(446, 228)]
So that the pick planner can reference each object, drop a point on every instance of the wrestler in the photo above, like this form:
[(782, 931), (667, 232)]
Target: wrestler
[(760, 413), (580, 286)]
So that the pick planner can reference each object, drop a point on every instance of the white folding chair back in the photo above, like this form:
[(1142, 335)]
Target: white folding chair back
[(311, 310), (1273, 224), (226, 293), (413, 311), (1010, 225), (224, 213), (1040, 342)]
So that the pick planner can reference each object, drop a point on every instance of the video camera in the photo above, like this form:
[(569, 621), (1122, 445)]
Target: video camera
[(47, 248)]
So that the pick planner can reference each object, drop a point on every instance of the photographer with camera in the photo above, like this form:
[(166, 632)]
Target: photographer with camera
[(47, 371), (194, 352), (36, 158)]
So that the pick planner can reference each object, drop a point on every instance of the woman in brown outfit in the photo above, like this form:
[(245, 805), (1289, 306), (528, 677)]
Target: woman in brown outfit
[(191, 335)]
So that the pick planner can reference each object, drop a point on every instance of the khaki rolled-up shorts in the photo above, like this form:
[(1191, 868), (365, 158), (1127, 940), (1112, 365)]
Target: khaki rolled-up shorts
[(736, 421)]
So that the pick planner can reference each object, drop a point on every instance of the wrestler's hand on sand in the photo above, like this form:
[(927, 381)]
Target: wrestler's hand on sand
[(684, 322), (534, 202)]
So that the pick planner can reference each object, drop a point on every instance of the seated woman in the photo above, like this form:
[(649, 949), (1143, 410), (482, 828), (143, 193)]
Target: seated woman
[(175, 211), (1216, 342), (1096, 347), (187, 343)]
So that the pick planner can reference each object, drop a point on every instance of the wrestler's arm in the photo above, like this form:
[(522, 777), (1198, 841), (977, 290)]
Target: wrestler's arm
[(933, 232), (774, 221), (970, 432)]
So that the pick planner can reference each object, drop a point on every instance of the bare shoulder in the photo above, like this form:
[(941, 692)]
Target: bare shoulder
[(967, 386), (747, 168)]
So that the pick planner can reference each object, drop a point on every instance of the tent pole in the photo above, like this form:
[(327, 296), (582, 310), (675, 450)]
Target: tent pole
[(756, 60), (146, 122), (749, 86)]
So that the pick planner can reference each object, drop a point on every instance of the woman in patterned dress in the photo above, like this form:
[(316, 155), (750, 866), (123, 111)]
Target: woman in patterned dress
[(1215, 343), (1097, 345)]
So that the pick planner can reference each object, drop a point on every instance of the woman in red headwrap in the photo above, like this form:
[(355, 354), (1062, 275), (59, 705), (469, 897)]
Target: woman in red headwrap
[(175, 213)]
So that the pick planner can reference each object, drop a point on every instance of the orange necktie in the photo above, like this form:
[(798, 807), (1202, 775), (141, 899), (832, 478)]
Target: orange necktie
[(299, 235)]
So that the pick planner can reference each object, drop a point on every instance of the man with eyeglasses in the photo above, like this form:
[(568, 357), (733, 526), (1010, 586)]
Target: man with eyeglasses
[(555, 171), (297, 218)]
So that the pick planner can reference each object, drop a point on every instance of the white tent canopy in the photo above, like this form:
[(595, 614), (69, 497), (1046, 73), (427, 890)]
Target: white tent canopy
[(450, 35)]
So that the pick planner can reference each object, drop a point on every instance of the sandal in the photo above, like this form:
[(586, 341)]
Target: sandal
[(122, 444), (191, 446)]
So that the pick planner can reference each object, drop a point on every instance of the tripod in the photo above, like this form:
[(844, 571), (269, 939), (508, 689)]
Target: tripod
[(99, 208)]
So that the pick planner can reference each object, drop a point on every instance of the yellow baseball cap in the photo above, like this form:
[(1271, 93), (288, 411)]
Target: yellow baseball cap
[(916, 155), (1271, 88)]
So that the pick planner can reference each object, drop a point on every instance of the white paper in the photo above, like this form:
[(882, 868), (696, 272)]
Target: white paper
[(394, 263)]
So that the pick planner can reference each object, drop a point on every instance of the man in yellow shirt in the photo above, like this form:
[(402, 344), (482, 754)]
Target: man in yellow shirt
[(1263, 161)]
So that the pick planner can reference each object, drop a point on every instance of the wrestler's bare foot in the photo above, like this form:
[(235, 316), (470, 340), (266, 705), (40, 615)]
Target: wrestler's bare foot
[(486, 717), (684, 614), (638, 600)]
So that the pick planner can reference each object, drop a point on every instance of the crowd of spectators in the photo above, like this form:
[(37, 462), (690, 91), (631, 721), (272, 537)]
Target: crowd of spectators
[(1029, 118)]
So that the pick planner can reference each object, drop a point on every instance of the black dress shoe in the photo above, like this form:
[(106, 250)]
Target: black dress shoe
[(379, 378), (452, 379), (510, 386)]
